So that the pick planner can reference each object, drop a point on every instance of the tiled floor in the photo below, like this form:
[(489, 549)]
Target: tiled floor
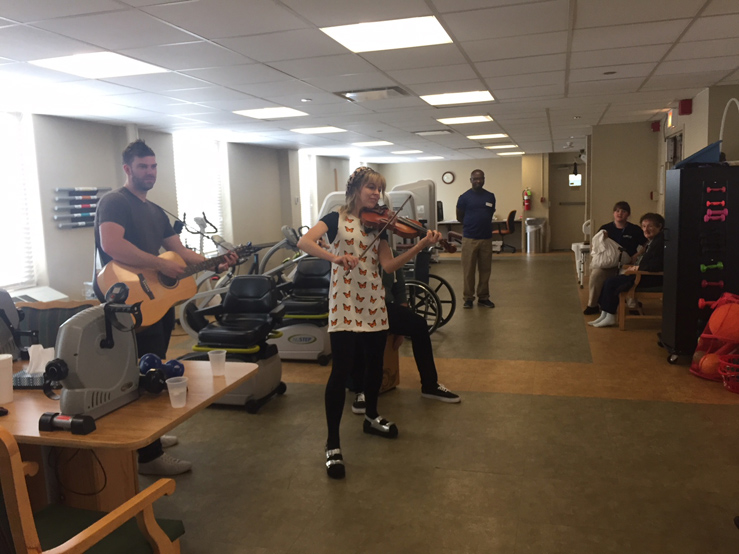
[(568, 439)]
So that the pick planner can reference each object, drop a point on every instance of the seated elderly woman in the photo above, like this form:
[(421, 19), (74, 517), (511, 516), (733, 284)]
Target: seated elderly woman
[(652, 260)]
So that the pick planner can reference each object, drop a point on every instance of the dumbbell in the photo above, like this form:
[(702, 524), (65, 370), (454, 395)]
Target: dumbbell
[(154, 373), (707, 218), (77, 424), (702, 303), (717, 265), (706, 284), (716, 189), (725, 211), (709, 204)]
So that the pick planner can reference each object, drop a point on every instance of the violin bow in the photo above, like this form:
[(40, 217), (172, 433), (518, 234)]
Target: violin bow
[(374, 240)]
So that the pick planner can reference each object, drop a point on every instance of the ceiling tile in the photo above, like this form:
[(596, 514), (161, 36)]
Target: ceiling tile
[(207, 94), (434, 74), (269, 90), (728, 63), (618, 56), (248, 103), (23, 72), (520, 66), (445, 6), (450, 86), (24, 44), (36, 10), (515, 47), (188, 55), (324, 66), (248, 74), (157, 82), (413, 58), (704, 49), (590, 88), (125, 29), (622, 72), (723, 26), (528, 80), (602, 13), (662, 82), (361, 81), (621, 36), (225, 18), (287, 45), (529, 92), (326, 13), (719, 7), (508, 21)]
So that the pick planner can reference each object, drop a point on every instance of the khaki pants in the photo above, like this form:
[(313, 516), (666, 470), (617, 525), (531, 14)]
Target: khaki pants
[(598, 276), (477, 254)]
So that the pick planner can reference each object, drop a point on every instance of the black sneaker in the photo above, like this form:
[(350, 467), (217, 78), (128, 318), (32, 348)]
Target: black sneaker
[(359, 406), (486, 303), (467, 304), (441, 393), (591, 310)]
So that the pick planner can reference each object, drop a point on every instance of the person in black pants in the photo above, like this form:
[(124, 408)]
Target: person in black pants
[(653, 260), (403, 322)]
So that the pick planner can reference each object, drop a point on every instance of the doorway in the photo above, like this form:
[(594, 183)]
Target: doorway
[(567, 203)]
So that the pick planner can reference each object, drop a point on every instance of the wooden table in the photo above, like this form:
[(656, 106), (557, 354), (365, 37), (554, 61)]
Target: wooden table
[(102, 465)]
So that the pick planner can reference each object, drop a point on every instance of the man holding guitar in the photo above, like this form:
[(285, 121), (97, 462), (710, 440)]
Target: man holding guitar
[(129, 233)]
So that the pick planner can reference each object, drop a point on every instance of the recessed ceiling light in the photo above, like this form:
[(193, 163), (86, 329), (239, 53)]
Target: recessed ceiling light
[(372, 143), (271, 113), (486, 137), (511, 153), (501, 146), (318, 130), (432, 133), (408, 152), (98, 65), (389, 35), (458, 98), (463, 120), (431, 158)]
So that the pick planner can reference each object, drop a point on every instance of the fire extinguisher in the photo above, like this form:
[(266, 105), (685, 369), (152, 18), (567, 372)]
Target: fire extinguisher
[(527, 199)]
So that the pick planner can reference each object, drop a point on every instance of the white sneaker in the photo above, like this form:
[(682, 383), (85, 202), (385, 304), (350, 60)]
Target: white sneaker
[(168, 441), (165, 466), (359, 406)]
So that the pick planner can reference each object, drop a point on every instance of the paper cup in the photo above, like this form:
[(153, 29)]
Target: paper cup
[(6, 378), (177, 387), (217, 362)]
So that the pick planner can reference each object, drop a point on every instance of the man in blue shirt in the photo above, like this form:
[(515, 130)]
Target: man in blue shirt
[(475, 209)]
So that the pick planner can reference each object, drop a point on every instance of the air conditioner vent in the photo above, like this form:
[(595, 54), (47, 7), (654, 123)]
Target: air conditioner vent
[(369, 95)]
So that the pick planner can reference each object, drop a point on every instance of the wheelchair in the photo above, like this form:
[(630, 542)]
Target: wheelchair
[(429, 296)]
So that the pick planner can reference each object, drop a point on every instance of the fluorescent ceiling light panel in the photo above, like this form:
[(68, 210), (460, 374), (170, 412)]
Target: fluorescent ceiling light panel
[(372, 143), (501, 146), (432, 133), (408, 152), (458, 98), (463, 120), (389, 35), (486, 137), (431, 158), (271, 113), (318, 130), (511, 153), (99, 65)]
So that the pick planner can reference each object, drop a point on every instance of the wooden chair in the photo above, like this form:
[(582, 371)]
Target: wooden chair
[(502, 231), (645, 293), (60, 529)]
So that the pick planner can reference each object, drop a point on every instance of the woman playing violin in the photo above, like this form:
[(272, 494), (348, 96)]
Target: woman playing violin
[(357, 311)]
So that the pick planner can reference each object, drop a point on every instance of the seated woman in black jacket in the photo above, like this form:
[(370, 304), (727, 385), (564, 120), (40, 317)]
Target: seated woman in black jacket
[(652, 260)]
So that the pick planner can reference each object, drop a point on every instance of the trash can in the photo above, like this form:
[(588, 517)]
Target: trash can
[(535, 234)]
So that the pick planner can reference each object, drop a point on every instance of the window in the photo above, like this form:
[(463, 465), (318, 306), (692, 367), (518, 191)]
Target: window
[(18, 186), (198, 166)]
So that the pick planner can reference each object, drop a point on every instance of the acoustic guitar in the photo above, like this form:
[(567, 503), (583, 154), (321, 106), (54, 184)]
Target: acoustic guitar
[(158, 292)]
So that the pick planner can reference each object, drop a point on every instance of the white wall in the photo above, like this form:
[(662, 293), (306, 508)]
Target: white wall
[(73, 153), (331, 176), (502, 177), (719, 96), (695, 125), (624, 166)]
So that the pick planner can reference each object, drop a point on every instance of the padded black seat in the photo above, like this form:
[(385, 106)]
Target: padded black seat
[(309, 293), (247, 315)]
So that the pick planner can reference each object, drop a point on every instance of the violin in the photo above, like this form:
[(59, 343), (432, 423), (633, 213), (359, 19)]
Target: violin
[(381, 217)]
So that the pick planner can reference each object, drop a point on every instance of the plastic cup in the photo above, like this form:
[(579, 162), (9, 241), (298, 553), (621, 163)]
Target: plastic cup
[(177, 387), (217, 362)]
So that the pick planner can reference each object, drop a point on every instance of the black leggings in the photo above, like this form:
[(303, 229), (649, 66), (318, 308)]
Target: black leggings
[(344, 346)]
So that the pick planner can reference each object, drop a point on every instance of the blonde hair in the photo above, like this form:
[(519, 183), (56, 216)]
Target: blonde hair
[(360, 177)]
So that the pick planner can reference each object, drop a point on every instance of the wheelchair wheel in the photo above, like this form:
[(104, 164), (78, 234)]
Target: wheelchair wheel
[(446, 295), (424, 302)]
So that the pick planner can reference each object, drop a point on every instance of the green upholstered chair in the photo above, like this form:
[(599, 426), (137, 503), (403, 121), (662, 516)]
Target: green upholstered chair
[(131, 528)]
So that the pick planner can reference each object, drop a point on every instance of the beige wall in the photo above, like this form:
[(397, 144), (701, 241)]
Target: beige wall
[(623, 162), (331, 176), (695, 125), (502, 177), (73, 153), (719, 96)]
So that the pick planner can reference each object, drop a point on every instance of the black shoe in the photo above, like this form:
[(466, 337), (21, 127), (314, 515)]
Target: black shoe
[(359, 406), (440, 392), (486, 303), (467, 304), (335, 463), (380, 427), (590, 310)]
